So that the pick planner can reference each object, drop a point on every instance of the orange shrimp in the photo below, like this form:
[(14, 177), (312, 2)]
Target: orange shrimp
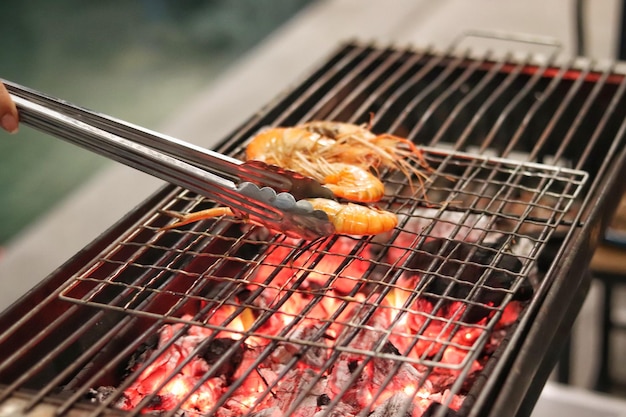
[(355, 219), (282, 146), (300, 150), (312, 148), (352, 183), (335, 130), (356, 144), (351, 219)]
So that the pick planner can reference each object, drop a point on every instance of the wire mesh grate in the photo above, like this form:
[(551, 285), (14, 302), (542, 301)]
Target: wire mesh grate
[(465, 249)]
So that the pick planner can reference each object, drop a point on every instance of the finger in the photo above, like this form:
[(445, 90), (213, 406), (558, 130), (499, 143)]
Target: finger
[(8, 111)]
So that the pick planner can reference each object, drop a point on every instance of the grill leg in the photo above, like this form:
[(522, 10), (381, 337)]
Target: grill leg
[(555, 343), (604, 380), (565, 360)]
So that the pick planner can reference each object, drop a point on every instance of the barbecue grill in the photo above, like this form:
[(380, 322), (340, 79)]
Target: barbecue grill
[(460, 310)]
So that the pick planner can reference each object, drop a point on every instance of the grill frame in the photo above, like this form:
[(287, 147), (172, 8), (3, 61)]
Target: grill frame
[(522, 392), (516, 348)]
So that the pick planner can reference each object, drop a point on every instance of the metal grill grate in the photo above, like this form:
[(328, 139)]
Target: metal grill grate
[(330, 294)]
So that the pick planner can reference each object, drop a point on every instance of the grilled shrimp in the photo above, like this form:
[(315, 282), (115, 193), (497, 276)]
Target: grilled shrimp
[(355, 219), (351, 219), (314, 148), (352, 182), (284, 146), (356, 144), (298, 149)]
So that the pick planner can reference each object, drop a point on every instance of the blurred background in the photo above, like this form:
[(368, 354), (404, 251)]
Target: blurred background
[(139, 61)]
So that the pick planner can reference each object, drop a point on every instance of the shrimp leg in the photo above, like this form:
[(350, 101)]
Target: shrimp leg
[(188, 218)]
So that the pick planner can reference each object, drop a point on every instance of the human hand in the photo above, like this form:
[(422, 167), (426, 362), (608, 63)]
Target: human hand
[(8, 111)]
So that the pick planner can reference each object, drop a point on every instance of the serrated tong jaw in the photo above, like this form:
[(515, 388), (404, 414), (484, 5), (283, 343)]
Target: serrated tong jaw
[(295, 218)]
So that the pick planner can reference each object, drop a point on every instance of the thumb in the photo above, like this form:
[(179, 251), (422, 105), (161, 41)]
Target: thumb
[(8, 112)]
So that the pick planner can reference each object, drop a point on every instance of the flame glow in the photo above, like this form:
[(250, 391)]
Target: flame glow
[(407, 322)]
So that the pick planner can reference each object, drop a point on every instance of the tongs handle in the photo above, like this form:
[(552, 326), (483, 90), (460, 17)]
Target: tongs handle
[(253, 171), (130, 145)]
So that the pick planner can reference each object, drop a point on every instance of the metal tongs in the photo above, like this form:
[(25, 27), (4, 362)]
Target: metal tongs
[(261, 193)]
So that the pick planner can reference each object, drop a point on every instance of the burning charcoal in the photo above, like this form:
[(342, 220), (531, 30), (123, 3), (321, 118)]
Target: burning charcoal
[(390, 348), (436, 410), (268, 412), (339, 410), (143, 351), (158, 402), (348, 382), (215, 350), (352, 366), (323, 400), (404, 374), (298, 386), (447, 258), (100, 394), (399, 405), (244, 296), (311, 355)]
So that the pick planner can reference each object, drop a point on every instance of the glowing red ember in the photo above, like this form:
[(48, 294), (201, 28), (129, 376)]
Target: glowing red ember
[(348, 353)]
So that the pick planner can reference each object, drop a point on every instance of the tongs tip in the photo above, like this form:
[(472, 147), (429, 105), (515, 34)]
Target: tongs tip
[(282, 179), (297, 218)]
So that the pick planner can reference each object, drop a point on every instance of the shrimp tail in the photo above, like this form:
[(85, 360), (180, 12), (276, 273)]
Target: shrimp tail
[(356, 219)]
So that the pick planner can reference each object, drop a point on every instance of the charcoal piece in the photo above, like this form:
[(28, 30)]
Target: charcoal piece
[(447, 257), (268, 412), (156, 402), (550, 252), (99, 394), (436, 409), (383, 366), (352, 366), (323, 400), (390, 348), (215, 350), (142, 353), (399, 405), (314, 356)]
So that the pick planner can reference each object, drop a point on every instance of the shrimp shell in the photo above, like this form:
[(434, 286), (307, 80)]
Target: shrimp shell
[(281, 145), (352, 183), (337, 130), (355, 219), (302, 151), (350, 219), (356, 145)]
